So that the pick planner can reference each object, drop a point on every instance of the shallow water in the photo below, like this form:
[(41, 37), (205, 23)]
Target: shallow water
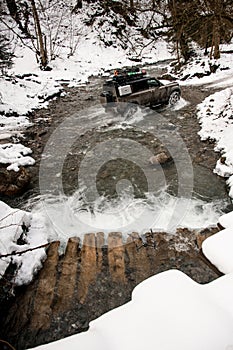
[(95, 176)]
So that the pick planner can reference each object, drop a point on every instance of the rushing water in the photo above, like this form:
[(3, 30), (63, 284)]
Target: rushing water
[(69, 216), (95, 175)]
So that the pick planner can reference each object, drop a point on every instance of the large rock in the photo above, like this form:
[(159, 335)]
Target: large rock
[(13, 183), (160, 158)]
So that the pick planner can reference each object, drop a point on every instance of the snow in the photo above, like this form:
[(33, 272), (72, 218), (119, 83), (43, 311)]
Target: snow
[(203, 65), (167, 311), (11, 125), (226, 220), (218, 248), (215, 117), (16, 155), (11, 221)]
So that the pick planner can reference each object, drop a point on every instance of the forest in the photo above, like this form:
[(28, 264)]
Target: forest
[(38, 24)]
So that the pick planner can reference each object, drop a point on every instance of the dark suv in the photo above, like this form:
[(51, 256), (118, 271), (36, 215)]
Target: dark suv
[(135, 86)]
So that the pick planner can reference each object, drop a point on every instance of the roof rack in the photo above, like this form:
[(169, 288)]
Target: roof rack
[(122, 76)]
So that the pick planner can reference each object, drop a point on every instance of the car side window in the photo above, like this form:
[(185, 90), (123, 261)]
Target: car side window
[(153, 83)]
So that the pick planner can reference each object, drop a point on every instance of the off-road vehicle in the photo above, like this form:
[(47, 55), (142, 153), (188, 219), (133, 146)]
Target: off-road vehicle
[(135, 86)]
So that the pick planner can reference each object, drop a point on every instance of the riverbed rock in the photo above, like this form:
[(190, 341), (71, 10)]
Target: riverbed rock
[(13, 183), (160, 158)]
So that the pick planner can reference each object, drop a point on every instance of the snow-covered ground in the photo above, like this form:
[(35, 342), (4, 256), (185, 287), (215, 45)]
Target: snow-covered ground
[(198, 70), (16, 155), (167, 311), (215, 115)]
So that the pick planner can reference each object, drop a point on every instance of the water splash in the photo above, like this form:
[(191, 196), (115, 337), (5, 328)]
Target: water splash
[(74, 216)]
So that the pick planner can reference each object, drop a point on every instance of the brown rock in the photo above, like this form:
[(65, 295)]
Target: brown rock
[(116, 257), (160, 158), (67, 280), (42, 312), (99, 246), (88, 266), (13, 183), (139, 262)]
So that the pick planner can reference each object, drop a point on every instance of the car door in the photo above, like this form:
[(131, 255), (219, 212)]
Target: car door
[(159, 91)]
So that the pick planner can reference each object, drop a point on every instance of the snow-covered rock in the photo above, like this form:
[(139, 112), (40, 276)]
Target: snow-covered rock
[(15, 155), (17, 224)]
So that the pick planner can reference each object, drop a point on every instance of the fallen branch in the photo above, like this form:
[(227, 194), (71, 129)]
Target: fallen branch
[(24, 251)]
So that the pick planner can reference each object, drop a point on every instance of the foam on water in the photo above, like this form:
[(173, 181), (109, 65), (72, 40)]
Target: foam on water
[(73, 216)]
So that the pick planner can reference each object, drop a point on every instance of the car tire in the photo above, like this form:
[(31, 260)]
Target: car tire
[(174, 98)]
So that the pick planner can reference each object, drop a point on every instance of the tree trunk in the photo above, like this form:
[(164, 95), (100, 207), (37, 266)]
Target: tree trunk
[(131, 4), (42, 44), (216, 39)]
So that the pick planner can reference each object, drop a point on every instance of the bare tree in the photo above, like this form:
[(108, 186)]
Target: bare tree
[(41, 40)]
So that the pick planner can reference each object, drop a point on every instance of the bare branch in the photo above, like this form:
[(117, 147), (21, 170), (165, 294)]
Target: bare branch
[(24, 251), (5, 343)]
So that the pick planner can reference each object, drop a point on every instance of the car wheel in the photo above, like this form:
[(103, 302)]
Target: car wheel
[(174, 98)]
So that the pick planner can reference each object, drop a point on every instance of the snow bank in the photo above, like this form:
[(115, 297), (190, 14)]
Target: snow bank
[(218, 249), (12, 125), (215, 117), (168, 311), (16, 155), (226, 220), (23, 93), (202, 70), (15, 224)]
